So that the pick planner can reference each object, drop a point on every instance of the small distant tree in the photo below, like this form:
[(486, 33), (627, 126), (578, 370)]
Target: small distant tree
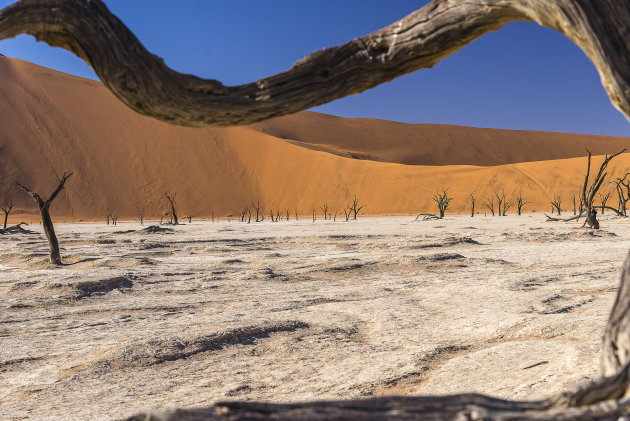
[(271, 215), (141, 215), (507, 204), (500, 199), (189, 217), (296, 215), (346, 213), (489, 203), (287, 214), (556, 203), (574, 199), (171, 200), (314, 215), (324, 209), (520, 203), (471, 199), (44, 211), (442, 200), (256, 207), (7, 208), (354, 207)]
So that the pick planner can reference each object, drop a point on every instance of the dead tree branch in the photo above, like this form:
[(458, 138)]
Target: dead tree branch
[(143, 82), (171, 201), (588, 192), (442, 200)]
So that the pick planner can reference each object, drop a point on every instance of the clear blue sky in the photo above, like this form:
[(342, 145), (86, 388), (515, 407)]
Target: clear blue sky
[(521, 77)]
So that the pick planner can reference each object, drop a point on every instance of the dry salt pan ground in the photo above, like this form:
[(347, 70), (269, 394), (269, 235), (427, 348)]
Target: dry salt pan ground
[(509, 306)]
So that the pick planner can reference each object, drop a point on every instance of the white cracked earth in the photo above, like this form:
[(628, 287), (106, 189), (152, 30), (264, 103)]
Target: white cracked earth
[(508, 306)]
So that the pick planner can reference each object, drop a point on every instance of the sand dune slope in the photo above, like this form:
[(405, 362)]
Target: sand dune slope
[(123, 162)]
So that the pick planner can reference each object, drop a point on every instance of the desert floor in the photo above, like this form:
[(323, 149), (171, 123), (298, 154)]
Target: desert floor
[(509, 306)]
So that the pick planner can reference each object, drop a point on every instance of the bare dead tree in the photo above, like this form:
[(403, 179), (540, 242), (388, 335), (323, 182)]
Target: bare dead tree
[(520, 203), (507, 204), (324, 209), (7, 208), (314, 215), (354, 207), (346, 214), (189, 217), (500, 198), (44, 211), (141, 215), (257, 207), (171, 201), (489, 203), (603, 199), (556, 203), (442, 200), (296, 215), (574, 197), (114, 219), (271, 215), (471, 199), (622, 187), (588, 192), (287, 214)]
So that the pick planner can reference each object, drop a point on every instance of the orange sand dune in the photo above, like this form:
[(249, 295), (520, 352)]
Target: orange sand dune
[(432, 144), (122, 162)]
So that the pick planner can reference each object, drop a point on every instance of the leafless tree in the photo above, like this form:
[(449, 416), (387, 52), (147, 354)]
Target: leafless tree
[(324, 209), (588, 192), (257, 207), (556, 203), (297, 218), (500, 199), (443, 201), (489, 203), (288, 214), (314, 215), (189, 217), (171, 201), (354, 207), (603, 199), (7, 208), (507, 204), (471, 199), (141, 215), (346, 214), (44, 211), (520, 203), (622, 187), (574, 198)]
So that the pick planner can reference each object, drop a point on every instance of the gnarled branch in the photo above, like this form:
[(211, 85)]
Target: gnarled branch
[(143, 82)]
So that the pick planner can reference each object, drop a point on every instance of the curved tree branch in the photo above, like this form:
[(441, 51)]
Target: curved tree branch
[(143, 82)]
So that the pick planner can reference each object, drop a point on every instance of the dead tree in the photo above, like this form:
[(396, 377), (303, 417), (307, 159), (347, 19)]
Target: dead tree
[(44, 211), (257, 207), (507, 204), (603, 199), (346, 214), (324, 209), (623, 193), (314, 215), (442, 200), (189, 217), (589, 192), (574, 197), (171, 200), (141, 215), (520, 203), (271, 215), (296, 215), (7, 208), (489, 203), (500, 200), (354, 207), (287, 214), (471, 199), (556, 203)]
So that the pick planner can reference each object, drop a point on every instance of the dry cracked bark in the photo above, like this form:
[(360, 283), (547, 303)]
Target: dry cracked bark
[(143, 82)]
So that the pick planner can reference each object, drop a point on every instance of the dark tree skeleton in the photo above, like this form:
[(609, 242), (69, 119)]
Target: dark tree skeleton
[(44, 211), (143, 82)]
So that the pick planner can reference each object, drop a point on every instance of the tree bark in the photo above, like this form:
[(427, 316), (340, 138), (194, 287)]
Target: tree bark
[(44, 211), (420, 40)]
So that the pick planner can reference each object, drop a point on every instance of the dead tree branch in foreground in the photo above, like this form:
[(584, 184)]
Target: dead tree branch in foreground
[(44, 211), (607, 398), (589, 195), (143, 82)]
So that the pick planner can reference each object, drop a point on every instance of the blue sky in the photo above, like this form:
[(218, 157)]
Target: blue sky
[(521, 77)]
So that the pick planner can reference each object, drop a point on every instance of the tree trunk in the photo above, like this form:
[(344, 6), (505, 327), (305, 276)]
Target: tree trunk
[(49, 230)]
